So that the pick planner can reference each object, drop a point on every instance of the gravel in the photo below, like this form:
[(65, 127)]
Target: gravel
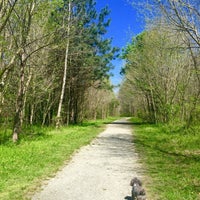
[(99, 171)]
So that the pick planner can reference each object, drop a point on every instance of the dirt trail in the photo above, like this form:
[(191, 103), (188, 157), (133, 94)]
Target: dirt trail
[(99, 171)]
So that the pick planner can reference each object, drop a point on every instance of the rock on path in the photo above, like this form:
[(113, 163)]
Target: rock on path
[(99, 171)]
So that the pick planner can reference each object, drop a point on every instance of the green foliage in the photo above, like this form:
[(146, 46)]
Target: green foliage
[(171, 158), (5, 135), (90, 55), (159, 78), (35, 39)]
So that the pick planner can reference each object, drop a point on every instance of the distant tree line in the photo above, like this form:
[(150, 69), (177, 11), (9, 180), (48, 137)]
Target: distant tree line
[(54, 63), (162, 72)]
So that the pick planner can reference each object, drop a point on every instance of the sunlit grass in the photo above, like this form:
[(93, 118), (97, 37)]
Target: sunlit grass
[(172, 160), (39, 154)]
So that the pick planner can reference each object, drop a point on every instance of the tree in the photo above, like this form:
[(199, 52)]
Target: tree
[(184, 16), (103, 105), (165, 89), (26, 44), (156, 62), (6, 9), (65, 64), (88, 56), (51, 54)]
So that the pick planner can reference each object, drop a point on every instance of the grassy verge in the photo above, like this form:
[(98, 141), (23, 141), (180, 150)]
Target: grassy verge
[(172, 160), (39, 155)]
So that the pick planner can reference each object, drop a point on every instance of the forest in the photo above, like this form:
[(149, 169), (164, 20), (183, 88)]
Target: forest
[(162, 71), (54, 63), (56, 93)]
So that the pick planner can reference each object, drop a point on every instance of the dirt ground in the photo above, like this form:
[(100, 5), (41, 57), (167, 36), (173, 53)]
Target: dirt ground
[(99, 171)]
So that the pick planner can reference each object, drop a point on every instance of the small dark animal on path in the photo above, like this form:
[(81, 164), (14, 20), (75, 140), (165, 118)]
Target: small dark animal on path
[(138, 193)]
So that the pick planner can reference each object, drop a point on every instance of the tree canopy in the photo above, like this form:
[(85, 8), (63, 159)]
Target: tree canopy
[(52, 55), (161, 75)]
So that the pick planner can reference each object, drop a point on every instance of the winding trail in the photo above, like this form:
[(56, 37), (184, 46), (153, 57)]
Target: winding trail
[(99, 171)]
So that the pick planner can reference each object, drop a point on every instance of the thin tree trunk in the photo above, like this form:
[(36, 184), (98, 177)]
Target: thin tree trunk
[(58, 118), (31, 115), (19, 105), (25, 96), (49, 105), (196, 97), (153, 107), (25, 28), (68, 107)]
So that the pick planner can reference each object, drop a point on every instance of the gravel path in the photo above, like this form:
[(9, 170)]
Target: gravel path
[(99, 171)]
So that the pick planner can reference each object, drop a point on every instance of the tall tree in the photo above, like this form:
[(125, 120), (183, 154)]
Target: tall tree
[(27, 44), (88, 57), (65, 64), (184, 16), (156, 62), (54, 52)]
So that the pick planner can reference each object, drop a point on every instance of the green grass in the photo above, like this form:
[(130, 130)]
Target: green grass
[(39, 154), (171, 159)]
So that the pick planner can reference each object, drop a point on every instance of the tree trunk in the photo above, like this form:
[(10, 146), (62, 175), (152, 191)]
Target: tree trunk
[(58, 117), (18, 119), (31, 115), (68, 107), (25, 88)]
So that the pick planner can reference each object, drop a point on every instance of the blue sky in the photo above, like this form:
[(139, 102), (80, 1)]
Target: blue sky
[(125, 23)]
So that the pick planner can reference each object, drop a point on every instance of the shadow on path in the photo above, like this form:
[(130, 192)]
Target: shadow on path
[(120, 123), (128, 198), (128, 123)]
